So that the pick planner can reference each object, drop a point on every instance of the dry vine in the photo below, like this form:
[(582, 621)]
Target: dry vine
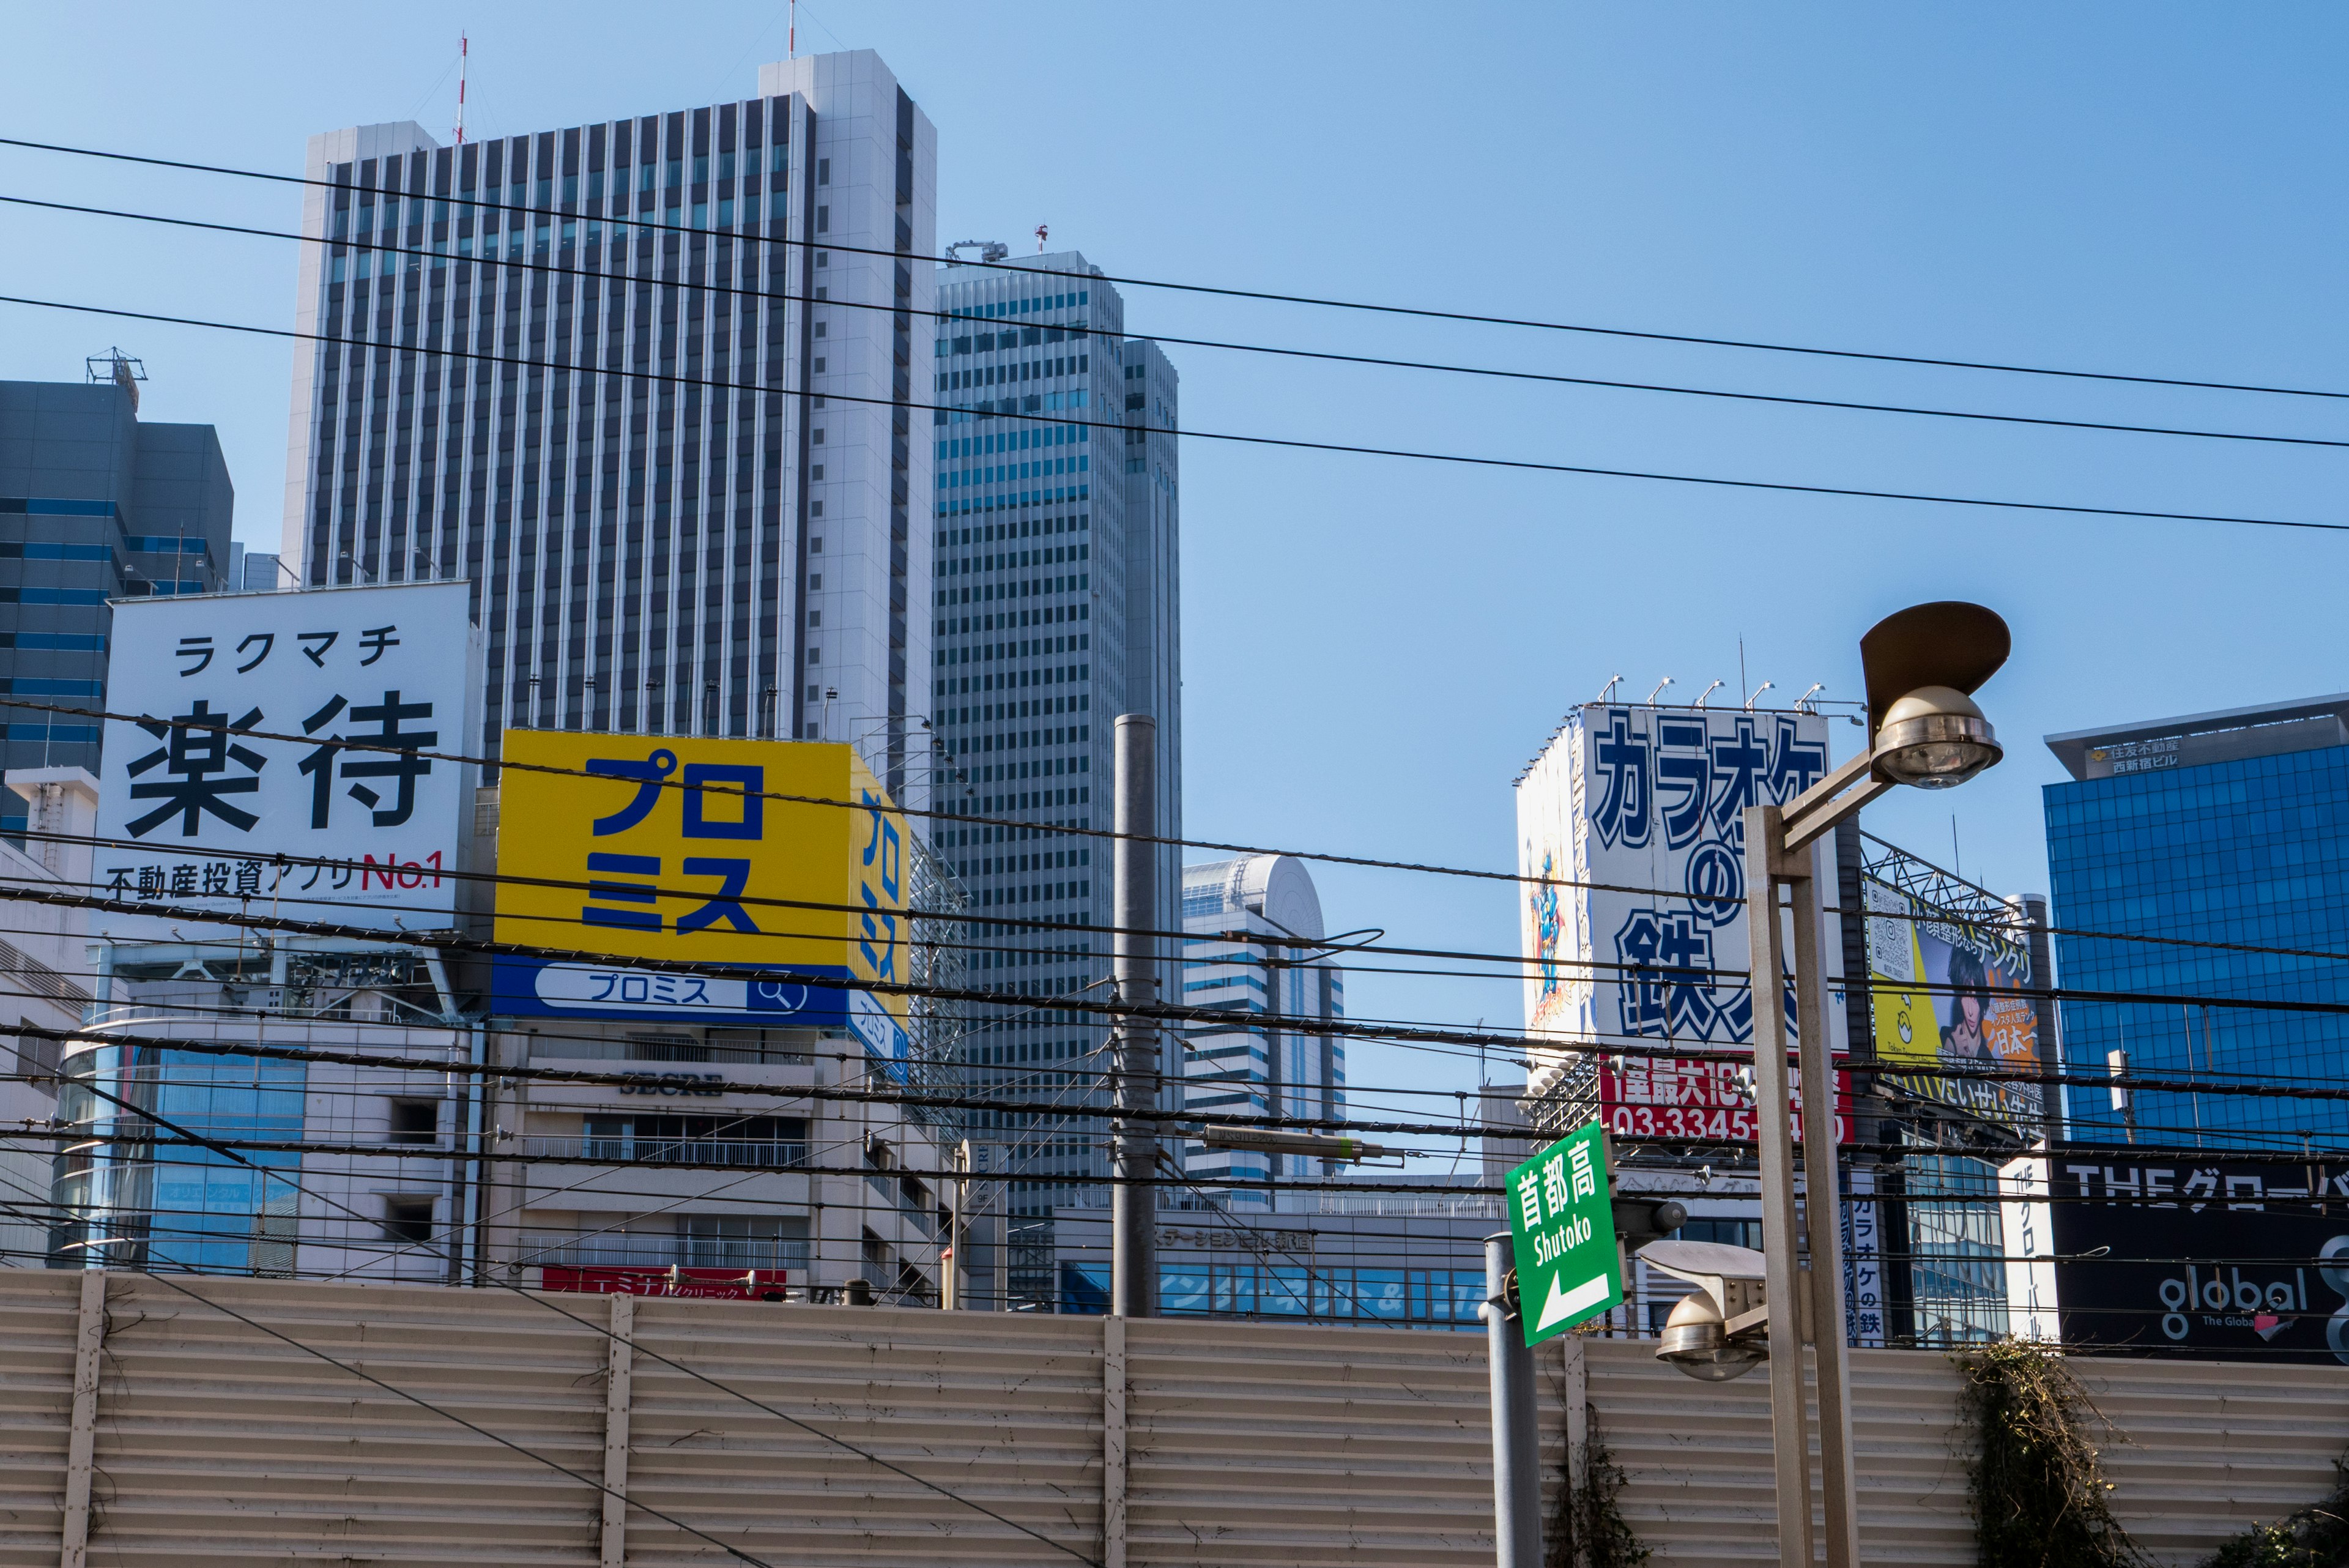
[(1590, 1530), (2316, 1536), (2040, 1496)]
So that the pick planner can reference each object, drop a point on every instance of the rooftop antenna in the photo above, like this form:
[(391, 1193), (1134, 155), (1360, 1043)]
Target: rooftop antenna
[(1043, 232), (1607, 692), (989, 251), (464, 58), (1650, 703), (1766, 686), (118, 368), (1708, 691), (791, 38), (1817, 687)]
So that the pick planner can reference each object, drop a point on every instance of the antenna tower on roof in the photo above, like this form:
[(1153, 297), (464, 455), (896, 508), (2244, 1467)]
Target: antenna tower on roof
[(464, 55), (118, 368)]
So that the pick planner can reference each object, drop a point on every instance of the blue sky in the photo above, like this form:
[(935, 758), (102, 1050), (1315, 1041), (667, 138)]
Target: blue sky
[(1374, 647)]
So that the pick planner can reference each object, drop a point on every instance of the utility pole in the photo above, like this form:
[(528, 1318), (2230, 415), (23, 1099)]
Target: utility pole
[(1517, 1438), (1134, 1073)]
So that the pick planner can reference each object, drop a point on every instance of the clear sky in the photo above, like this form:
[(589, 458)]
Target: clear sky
[(1373, 646)]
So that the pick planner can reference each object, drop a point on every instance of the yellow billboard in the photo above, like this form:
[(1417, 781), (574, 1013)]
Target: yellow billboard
[(1951, 990), (674, 847)]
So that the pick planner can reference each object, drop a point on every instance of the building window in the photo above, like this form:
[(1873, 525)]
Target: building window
[(407, 1219), (415, 1121)]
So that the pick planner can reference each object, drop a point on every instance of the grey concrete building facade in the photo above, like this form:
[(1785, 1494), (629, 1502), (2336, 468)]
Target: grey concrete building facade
[(647, 384), (95, 505)]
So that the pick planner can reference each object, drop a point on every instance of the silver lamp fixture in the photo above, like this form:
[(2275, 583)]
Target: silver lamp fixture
[(1922, 665), (1720, 1330)]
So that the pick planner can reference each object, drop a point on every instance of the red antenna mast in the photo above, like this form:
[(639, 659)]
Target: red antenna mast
[(792, 39), (464, 54)]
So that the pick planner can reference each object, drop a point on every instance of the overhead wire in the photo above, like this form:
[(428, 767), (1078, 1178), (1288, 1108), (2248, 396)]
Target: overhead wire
[(371, 244), (541, 1299), (1014, 268), (1929, 915), (1291, 444)]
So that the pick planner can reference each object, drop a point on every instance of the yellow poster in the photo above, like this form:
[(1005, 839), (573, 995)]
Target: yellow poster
[(1949, 994), (674, 847)]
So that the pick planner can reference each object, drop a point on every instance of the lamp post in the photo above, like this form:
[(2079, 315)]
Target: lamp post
[(1924, 729)]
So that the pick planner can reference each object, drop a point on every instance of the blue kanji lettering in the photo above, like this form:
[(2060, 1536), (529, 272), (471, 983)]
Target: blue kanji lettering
[(1795, 764), (1740, 763), (1683, 778), (1619, 760)]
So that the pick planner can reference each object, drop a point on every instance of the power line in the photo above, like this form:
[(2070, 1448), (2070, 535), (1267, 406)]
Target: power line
[(1293, 443), (1074, 1002), (555, 269), (417, 1399), (1931, 915), (2033, 1075), (1270, 297), (729, 1390)]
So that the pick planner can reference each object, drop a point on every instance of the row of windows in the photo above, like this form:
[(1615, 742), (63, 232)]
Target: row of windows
[(478, 166), (45, 550), (21, 686), (1025, 337), (518, 205), (55, 641), (1015, 472), (54, 506), (1033, 305), (1026, 440)]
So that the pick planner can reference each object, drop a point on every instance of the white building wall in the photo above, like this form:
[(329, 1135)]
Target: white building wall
[(44, 980), (625, 467)]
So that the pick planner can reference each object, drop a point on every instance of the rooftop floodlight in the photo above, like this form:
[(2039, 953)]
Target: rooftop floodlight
[(1922, 666), (1720, 1330)]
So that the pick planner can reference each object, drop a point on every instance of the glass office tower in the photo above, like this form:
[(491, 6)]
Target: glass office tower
[(1056, 605), (95, 505), (2225, 827)]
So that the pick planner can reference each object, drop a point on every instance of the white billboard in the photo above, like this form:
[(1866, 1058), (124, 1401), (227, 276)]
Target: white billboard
[(203, 803), (1649, 802)]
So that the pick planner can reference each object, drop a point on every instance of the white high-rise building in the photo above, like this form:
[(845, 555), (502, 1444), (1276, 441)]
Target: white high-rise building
[(1056, 605), (675, 440), (1260, 1063)]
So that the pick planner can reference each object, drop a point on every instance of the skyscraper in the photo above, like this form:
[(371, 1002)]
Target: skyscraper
[(1056, 605), (94, 505), (1253, 1066), (2224, 828), (647, 384)]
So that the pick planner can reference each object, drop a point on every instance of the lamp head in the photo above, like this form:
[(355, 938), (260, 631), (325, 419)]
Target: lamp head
[(1935, 737), (1694, 1341), (1922, 665), (1728, 1280)]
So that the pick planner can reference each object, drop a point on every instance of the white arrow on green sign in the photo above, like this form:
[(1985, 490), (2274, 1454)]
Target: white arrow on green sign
[(1562, 1222)]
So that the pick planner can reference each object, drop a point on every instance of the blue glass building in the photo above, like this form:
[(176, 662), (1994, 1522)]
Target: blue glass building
[(2221, 827)]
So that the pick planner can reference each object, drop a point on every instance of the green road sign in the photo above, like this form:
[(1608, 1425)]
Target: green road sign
[(1562, 1219)]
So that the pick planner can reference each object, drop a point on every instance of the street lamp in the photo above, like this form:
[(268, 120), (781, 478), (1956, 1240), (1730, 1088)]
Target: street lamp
[(1713, 1333), (1922, 665)]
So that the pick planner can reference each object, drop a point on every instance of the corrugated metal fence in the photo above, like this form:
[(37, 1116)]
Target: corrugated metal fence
[(142, 1425)]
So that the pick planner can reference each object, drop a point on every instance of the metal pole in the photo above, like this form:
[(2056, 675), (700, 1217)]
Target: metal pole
[(1516, 1437), (1823, 1216), (1133, 1196), (1764, 832)]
